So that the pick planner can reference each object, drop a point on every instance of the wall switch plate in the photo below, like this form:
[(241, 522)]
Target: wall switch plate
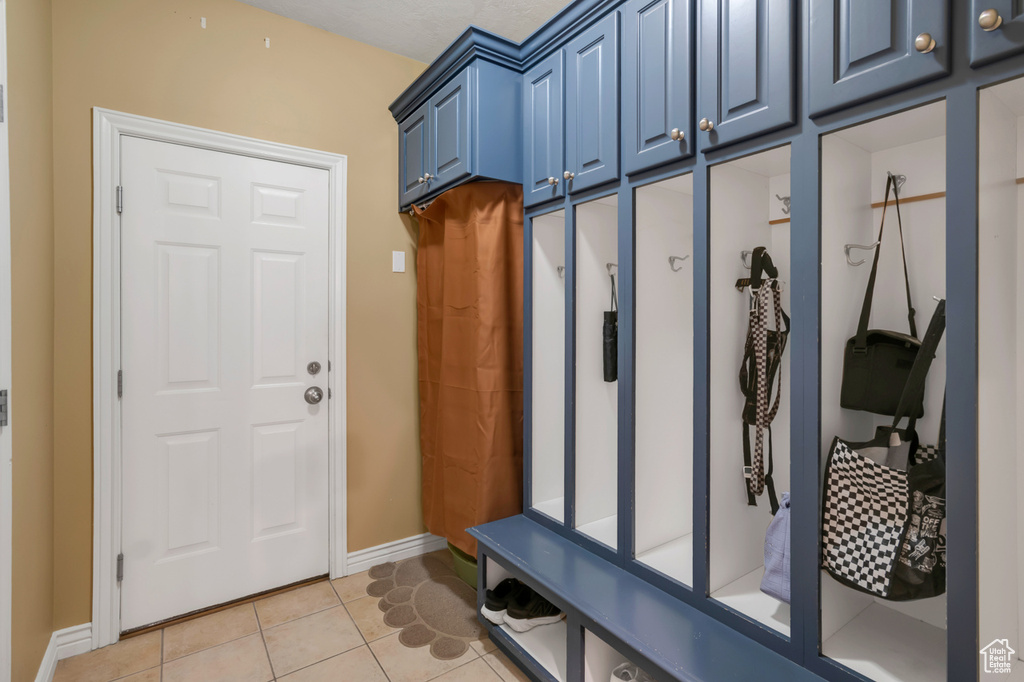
[(398, 261)]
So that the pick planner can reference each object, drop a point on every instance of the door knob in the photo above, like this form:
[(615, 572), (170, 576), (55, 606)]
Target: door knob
[(552, 181), (706, 125), (989, 20), (421, 180), (568, 175), (924, 43), (676, 134), (313, 395), (428, 177)]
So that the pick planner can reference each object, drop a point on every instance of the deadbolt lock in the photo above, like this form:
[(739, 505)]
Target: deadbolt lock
[(313, 368)]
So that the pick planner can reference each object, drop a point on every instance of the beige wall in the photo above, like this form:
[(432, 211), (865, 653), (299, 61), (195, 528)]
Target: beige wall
[(31, 148), (312, 89)]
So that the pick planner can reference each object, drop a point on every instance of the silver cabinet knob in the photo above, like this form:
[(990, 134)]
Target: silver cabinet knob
[(705, 125), (568, 175), (924, 43), (421, 180), (427, 177), (552, 181), (313, 395), (676, 134), (989, 20)]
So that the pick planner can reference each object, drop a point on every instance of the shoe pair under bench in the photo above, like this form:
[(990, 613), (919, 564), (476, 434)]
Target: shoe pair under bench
[(515, 604)]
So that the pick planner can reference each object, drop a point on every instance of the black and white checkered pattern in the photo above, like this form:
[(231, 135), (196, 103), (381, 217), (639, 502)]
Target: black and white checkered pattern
[(864, 515), (768, 291), (926, 453)]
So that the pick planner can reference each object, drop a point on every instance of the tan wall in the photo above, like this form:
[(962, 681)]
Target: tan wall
[(312, 89), (31, 148)]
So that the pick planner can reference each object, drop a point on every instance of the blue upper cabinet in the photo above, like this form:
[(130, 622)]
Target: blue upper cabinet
[(861, 49), (996, 30), (412, 155), (450, 128), (657, 82), (544, 122), (747, 69), (469, 127), (592, 105)]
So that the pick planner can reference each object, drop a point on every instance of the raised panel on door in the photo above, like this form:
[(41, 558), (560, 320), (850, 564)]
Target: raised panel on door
[(543, 139), (995, 36), (592, 105), (747, 55), (450, 132), (862, 49), (412, 152), (657, 82)]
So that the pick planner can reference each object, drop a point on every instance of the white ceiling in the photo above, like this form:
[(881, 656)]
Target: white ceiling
[(420, 29)]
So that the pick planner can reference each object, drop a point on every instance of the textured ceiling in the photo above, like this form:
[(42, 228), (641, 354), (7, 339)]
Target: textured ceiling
[(420, 29)]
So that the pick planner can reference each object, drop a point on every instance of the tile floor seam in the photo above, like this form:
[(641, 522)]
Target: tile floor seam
[(263, 638), (366, 642)]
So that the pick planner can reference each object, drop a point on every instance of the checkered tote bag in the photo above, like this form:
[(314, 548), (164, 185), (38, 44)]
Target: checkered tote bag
[(881, 500)]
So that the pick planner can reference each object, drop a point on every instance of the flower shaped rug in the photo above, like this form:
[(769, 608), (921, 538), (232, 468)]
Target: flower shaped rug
[(430, 604)]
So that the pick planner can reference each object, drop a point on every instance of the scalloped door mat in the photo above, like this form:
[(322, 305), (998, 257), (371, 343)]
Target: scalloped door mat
[(425, 598)]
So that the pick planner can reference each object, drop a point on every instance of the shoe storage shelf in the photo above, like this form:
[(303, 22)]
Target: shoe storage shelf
[(660, 154)]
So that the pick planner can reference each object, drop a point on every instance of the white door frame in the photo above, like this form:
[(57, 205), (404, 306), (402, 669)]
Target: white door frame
[(108, 127), (6, 450)]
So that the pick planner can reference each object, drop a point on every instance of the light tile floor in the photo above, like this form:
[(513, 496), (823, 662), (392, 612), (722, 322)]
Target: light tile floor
[(326, 632)]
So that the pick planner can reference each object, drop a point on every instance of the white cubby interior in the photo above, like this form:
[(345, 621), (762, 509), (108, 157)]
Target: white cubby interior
[(1001, 369), (597, 412), (744, 213), (548, 345), (664, 377), (880, 639), (599, 658), (546, 644)]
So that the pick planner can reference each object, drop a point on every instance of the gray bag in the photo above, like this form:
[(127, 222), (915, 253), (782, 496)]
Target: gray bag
[(775, 582)]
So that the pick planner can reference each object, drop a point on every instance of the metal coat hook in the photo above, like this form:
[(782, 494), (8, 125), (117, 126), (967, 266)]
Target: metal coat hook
[(609, 267), (785, 204), (865, 247), (743, 259), (561, 271), (897, 180), (672, 262)]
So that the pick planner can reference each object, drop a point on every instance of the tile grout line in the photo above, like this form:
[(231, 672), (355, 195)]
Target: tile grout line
[(365, 642), (263, 638)]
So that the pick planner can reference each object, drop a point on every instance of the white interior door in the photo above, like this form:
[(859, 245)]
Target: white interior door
[(224, 285)]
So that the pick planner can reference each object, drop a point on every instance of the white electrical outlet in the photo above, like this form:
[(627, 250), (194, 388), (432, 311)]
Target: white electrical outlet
[(398, 261)]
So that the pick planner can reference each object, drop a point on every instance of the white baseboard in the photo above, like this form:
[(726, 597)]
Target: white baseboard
[(64, 644), (366, 559)]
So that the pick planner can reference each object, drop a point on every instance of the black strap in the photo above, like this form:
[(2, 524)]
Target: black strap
[(769, 481), (913, 391), (861, 341), (615, 299)]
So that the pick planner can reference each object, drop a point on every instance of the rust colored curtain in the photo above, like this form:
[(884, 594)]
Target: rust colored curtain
[(469, 301)]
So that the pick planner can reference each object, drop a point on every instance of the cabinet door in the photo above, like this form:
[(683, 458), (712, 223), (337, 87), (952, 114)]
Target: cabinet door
[(543, 139), (861, 49), (657, 83), (592, 105), (451, 132), (747, 54), (995, 36), (412, 155)]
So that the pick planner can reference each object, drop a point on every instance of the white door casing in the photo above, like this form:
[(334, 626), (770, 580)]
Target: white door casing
[(111, 131), (224, 289)]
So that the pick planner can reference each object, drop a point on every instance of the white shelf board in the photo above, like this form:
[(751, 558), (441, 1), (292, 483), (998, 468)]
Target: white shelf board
[(745, 595), (888, 646), (604, 530), (546, 645), (674, 559), (554, 508)]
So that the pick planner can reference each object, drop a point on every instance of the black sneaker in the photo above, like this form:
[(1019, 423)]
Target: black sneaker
[(496, 600), (527, 609)]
